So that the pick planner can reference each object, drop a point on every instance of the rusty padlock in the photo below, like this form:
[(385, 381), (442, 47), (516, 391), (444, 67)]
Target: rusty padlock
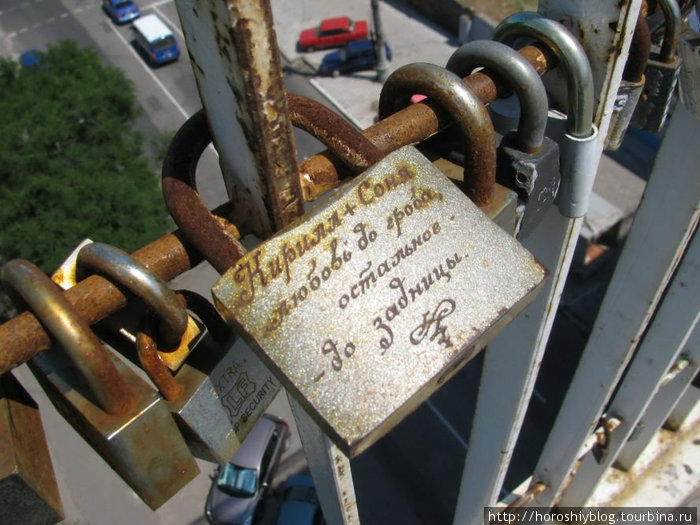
[(211, 393), (115, 411), (371, 301), (28, 490), (661, 74)]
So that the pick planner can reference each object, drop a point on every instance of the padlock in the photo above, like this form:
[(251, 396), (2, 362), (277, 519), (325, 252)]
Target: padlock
[(661, 75), (578, 156), (114, 410), (528, 162), (28, 490), (218, 393), (374, 299), (138, 280), (631, 86)]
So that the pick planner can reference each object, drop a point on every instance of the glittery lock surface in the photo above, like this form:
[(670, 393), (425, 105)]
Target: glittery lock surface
[(370, 302)]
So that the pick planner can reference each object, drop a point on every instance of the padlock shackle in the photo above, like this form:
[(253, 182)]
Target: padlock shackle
[(449, 91), (522, 78), (200, 227), (148, 352), (571, 56), (119, 267), (52, 309), (672, 29), (355, 150)]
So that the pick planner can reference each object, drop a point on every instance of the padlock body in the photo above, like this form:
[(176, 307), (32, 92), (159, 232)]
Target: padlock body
[(372, 300), (655, 100), (28, 489), (534, 176), (144, 446), (226, 391)]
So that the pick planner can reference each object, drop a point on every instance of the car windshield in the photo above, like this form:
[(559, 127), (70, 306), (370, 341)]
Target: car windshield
[(237, 481), (122, 5), (163, 43)]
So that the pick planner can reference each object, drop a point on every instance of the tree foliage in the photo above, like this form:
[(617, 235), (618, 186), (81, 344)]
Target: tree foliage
[(72, 165)]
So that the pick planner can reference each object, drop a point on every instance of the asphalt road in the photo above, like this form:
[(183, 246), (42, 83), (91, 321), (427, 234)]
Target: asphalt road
[(410, 477)]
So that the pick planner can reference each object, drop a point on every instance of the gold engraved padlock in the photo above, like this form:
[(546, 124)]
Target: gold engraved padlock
[(371, 301)]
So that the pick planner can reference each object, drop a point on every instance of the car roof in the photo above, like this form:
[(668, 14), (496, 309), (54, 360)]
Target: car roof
[(253, 447), (360, 45), (339, 22), (152, 27)]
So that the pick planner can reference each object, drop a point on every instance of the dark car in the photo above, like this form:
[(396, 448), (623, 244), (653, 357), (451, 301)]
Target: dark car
[(333, 32), (239, 487), (299, 503), (356, 56), (121, 11)]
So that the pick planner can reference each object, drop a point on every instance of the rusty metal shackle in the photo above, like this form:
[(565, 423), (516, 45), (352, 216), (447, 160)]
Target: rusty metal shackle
[(449, 91), (522, 78), (199, 225), (147, 349), (92, 360), (571, 56), (355, 150), (120, 267), (672, 29)]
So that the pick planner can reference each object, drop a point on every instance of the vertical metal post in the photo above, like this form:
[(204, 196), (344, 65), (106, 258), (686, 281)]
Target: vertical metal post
[(236, 63), (674, 320), (637, 286), (379, 41), (330, 469)]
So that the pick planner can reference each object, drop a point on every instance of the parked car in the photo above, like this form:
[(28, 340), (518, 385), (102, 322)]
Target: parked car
[(300, 504), (155, 39), (239, 487), (333, 32), (356, 56), (121, 11), (30, 58)]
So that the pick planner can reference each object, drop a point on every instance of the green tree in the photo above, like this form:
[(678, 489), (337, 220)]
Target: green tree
[(72, 165)]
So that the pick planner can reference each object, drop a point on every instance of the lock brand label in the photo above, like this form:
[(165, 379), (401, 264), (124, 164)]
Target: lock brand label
[(372, 300)]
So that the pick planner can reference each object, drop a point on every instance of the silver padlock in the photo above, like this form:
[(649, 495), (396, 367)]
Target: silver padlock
[(376, 298), (576, 134), (115, 411), (661, 75), (220, 391), (28, 489), (528, 162)]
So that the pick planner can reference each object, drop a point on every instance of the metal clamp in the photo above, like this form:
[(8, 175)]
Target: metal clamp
[(577, 146), (450, 92)]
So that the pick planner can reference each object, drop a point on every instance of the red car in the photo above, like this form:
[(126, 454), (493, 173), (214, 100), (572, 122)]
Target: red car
[(333, 32)]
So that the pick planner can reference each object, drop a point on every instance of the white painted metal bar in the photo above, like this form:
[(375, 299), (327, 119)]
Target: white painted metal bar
[(673, 323), (509, 376), (660, 407), (236, 64), (661, 229), (686, 404), (330, 470)]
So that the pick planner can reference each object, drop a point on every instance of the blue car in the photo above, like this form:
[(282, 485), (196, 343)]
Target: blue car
[(299, 503), (355, 56), (121, 11)]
